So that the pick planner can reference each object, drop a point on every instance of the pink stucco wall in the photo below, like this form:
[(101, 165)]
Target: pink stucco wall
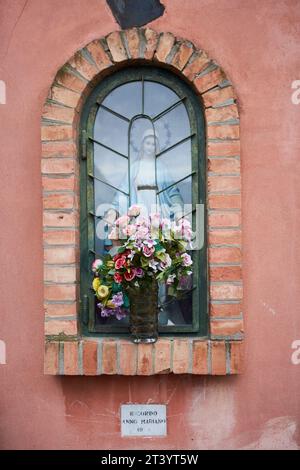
[(258, 45)]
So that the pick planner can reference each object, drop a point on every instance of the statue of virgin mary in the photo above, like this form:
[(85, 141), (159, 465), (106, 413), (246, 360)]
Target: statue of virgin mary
[(147, 176)]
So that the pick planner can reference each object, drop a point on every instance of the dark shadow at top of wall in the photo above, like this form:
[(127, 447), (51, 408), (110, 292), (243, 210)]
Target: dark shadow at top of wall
[(129, 13)]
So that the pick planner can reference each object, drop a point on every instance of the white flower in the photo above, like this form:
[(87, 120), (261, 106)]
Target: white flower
[(153, 264)]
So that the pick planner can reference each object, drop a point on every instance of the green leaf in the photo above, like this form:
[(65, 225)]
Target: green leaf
[(116, 287), (126, 301), (159, 247), (160, 255), (160, 276), (144, 262)]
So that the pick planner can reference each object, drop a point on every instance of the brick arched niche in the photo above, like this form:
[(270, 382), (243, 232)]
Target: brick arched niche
[(66, 351)]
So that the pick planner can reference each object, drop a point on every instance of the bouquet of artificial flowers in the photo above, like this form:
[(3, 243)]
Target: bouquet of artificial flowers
[(151, 248)]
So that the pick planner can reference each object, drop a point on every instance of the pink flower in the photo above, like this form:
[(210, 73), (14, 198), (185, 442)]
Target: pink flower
[(185, 223), (166, 263), (183, 230), (118, 278), (113, 235), (149, 242), (142, 221), (165, 225), (186, 259), (134, 210), (148, 251), (129, 230), (129, 275), (187, 234), (141, 233), (96, 265), (123, 220), (155, 220)]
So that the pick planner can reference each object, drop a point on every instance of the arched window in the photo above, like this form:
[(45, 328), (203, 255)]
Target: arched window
[(143, 142)]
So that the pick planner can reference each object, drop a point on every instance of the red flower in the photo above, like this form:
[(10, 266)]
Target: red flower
[(129, 275), (121, 255), (117, 256), (118, 278), (120, 262)]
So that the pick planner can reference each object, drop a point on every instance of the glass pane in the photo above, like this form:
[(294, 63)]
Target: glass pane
[(185, 190), (174, 164), (173, 201), (158, 98), (148, 174), (111, 131), (175, 311), (106, 199), (110, 167), (126, 99), (172, 127)]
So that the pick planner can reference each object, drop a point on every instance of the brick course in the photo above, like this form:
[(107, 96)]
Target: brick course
[(192, 356)]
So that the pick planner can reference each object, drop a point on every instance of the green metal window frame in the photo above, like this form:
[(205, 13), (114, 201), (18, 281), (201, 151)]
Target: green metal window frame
[(195, 112)]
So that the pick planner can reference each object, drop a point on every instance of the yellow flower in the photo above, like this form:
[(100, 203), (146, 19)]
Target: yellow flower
[(110, 264), (96, 284), (110, 304), (102, 292)]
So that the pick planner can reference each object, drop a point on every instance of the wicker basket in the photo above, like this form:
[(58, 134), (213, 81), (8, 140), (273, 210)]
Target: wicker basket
[(143, 316)]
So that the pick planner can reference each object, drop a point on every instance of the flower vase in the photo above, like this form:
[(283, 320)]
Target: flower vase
[(143, 316)]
